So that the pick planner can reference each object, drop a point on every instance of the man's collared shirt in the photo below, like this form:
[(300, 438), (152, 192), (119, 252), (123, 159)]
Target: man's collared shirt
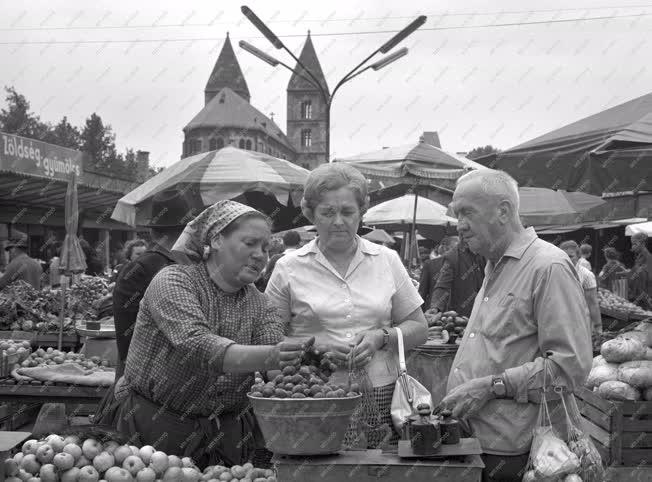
[(315, 300), (531, 302)]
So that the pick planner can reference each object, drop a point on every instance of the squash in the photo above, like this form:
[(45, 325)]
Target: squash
[(621, 350), (601, 374), (616, 390), (636, 373)]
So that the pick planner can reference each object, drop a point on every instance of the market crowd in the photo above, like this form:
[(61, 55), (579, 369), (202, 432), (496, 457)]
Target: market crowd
[(205, 304)]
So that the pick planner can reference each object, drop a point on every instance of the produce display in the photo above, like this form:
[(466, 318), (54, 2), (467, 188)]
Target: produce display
[(21, 348), (50, 356), (71, 458), (26, 309), (446, 327), (310, 380), (610, 301), (623, 370)]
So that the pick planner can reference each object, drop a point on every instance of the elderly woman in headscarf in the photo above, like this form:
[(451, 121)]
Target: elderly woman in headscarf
[(349, 293), (201, 333)]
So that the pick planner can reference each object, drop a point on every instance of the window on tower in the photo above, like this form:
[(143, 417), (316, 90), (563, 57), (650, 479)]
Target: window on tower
[(248, 145), (241, 144), (212, 144), (306, 109), (306, 138), (219, 143)]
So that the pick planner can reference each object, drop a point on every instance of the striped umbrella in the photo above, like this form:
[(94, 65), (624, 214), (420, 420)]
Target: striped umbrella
[(212, 176)]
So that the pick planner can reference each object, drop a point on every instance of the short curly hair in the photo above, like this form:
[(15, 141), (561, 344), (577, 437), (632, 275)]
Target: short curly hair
[(134, 243), (330, 177)]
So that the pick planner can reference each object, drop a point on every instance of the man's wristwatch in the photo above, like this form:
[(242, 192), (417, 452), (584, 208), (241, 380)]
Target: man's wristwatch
[(385, 338), (498, 387)]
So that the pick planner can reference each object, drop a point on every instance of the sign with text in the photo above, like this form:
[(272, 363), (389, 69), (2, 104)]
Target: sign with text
[(29, 156)]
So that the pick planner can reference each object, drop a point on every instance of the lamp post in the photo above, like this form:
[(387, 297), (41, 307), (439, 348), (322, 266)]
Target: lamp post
[(310, 77)]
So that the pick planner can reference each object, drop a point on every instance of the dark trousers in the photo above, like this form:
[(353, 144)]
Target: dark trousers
[(504, 468)]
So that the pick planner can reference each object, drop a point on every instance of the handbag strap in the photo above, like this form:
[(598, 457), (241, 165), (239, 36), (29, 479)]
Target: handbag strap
[(401, 351)]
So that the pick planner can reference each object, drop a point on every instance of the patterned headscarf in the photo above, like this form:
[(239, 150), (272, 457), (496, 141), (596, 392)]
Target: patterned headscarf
[(196, 237)]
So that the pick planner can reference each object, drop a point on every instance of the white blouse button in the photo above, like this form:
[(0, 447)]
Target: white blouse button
[(349, 335), (486, 298), (471, 335), (348, 317)]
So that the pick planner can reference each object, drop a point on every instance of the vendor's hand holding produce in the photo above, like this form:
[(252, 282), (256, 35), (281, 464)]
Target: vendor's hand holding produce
[(290, 353), (71, 458), (338, 353), (468, 398), (447, 325)]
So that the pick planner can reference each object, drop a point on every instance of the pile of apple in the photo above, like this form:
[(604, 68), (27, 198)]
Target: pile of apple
[(69, 459), (613, 302), (50, 356), (11, 347)]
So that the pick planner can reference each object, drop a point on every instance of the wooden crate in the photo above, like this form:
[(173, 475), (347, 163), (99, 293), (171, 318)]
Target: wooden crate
[(621, 431)]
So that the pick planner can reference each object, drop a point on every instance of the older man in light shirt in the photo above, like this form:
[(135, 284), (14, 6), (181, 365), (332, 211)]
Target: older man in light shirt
[(531, 303)]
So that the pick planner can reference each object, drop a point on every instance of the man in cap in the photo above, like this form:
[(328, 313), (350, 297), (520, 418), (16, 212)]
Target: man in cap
[(21, 266), (640, 276), (169, 215)]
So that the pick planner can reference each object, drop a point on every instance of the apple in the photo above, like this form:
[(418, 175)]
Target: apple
[(64, 461), (121, 453), (30, 464), (145, 453), (173, 474), (70, 475), (56, 442), (72, 439), (34, 479), (30, 447), (133, 464), (24, 475), (190, 474), (116, 474), (11, 467), (45, 454), (18, 457), (134, 450), (74, 450), (83, 462), (110, 446), (13, 479), (174, 461), (146, 475), (91, 448), (88, 474), (103, 461)]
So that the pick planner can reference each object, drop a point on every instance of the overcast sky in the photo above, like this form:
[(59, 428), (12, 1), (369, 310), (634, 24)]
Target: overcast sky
[(143, 65)]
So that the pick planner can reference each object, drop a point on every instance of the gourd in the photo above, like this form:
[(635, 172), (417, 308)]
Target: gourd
[(636, 373), (601, 374), (616, 390), (621, 350)]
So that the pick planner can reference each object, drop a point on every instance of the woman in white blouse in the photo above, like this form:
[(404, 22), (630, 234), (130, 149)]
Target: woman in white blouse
[(346, 291)]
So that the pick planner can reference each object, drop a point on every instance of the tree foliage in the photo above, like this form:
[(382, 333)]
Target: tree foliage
[(482, 151), (95, 138)]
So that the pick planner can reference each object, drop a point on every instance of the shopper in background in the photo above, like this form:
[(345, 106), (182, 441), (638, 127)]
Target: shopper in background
[(640, 276), (133, 249), (93, 264), (611, 269), (291, 241), (432, 268), (588, 282), (21, 266), (585, 254)]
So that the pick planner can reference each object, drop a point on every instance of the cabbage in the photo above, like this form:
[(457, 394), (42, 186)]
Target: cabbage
[(636, 373), (636, 335), (615, 390), (621, 350), (601, 374), (599, 360)]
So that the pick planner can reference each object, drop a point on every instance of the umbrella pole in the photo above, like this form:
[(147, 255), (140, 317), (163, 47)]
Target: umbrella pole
[(61, 317), (414, 225)]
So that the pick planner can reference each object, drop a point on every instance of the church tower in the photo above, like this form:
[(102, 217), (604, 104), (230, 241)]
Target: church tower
[(306, 111), (226, 73)]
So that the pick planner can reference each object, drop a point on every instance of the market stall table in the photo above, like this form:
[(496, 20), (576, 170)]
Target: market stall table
[(45, 392), (371, 465)]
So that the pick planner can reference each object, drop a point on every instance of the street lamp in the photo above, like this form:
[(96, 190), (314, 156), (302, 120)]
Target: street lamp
[(310, 77)]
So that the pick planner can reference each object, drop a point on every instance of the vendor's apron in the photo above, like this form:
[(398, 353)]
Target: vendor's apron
[(228, 439)]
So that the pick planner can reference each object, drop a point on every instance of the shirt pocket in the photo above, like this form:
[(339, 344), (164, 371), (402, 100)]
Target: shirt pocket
[(500, 321)]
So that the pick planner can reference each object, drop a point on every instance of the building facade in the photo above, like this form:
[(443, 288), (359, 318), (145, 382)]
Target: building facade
[(229, 119)]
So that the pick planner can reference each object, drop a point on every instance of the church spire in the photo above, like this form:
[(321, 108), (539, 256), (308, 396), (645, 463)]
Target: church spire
[(226, 73), (308, 58)]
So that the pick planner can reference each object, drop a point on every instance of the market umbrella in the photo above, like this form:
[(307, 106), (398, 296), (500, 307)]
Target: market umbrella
[(639, 228), (419, 164), (209, 177), (399, 215), (541, 206), (72, 259), (379, 236)]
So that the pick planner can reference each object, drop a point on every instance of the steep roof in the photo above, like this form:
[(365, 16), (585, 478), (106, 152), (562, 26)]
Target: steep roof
[(308, 58), (624, 116), (227, 73), (228, 109)]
